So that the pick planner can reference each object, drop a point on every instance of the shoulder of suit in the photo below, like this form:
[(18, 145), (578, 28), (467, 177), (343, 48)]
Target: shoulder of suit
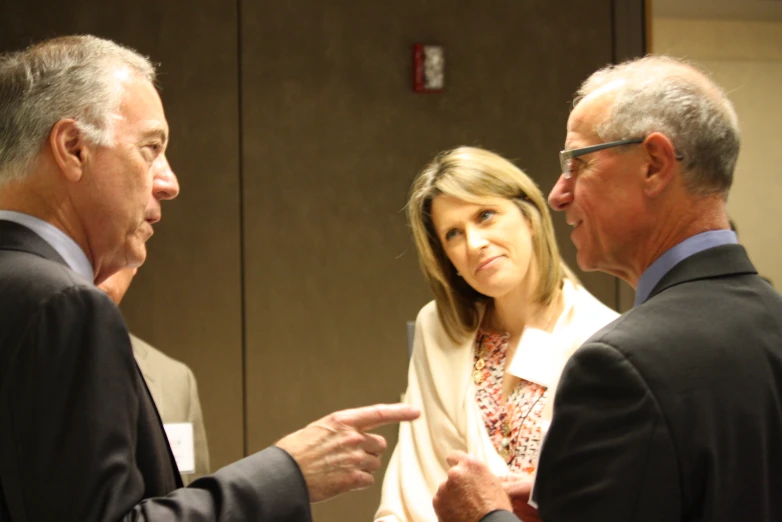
[(31, 283), (155, 358), (641, 329), (35, 277)]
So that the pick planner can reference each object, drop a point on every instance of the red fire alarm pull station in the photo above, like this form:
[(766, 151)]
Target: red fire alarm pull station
[(428, 68)]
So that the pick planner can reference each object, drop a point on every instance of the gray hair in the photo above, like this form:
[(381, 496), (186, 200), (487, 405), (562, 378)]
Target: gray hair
[(65, 77), (670, 96)]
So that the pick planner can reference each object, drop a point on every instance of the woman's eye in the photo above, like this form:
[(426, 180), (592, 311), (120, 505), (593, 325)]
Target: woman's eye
[(451, 234), (486, 214)]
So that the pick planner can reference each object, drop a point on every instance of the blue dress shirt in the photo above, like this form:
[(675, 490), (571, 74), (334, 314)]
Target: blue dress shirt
[(664, 263)]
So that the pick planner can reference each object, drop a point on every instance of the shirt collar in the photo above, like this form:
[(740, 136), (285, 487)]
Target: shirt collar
[(690, 246), (71, 253)]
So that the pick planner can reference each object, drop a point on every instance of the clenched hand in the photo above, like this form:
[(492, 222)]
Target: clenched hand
[(471, 491), (518, 489)]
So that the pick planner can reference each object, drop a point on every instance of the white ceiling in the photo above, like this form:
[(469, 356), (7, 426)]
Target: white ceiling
[(769, 10)]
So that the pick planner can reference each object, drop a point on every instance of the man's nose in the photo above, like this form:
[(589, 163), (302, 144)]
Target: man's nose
[(562, 194), (166, 184)]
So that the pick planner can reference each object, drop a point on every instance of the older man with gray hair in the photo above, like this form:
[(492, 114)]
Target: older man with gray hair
[(673, 412), (83, 174)]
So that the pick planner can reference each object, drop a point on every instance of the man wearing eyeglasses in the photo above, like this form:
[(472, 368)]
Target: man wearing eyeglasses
[(674, 411)]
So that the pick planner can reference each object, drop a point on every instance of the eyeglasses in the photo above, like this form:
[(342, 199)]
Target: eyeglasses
[(565, 156)]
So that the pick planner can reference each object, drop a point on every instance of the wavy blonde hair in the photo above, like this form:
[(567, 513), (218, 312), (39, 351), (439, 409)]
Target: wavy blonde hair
[(473, 174)]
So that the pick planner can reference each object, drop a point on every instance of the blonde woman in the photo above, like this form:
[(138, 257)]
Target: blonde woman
[(506, 315)]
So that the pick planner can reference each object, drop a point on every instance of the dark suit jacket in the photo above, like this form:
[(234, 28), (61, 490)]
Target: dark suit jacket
[(80, 438), (674, 411)]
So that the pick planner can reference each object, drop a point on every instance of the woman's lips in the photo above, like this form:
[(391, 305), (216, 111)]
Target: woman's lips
[(487, 263)]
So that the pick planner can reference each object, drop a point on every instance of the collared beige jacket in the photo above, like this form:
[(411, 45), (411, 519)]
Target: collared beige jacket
[(173, 388)]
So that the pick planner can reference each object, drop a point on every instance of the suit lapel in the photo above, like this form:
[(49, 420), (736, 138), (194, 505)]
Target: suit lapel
[(720, 261), (14, 236)]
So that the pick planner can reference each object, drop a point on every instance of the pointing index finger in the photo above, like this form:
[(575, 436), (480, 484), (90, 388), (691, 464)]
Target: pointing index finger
[(370, 417)]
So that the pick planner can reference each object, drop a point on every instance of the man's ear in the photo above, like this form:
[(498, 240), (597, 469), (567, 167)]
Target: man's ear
[(69, 148), (661, 163)]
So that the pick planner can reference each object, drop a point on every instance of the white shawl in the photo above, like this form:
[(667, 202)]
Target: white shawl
[(440, 384)]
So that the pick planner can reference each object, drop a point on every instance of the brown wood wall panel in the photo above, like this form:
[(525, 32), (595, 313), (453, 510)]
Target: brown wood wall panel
[(186, 300), (333, 136)]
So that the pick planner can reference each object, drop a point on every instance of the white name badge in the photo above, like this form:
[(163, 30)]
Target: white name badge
[(535, 357), (180, 438)]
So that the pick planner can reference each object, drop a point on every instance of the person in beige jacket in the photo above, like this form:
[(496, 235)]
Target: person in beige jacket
[(171, 384), (488, 351)]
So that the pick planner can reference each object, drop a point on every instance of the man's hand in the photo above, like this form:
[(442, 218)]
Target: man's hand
[(335, 455), (518, 488), (470, 492)]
